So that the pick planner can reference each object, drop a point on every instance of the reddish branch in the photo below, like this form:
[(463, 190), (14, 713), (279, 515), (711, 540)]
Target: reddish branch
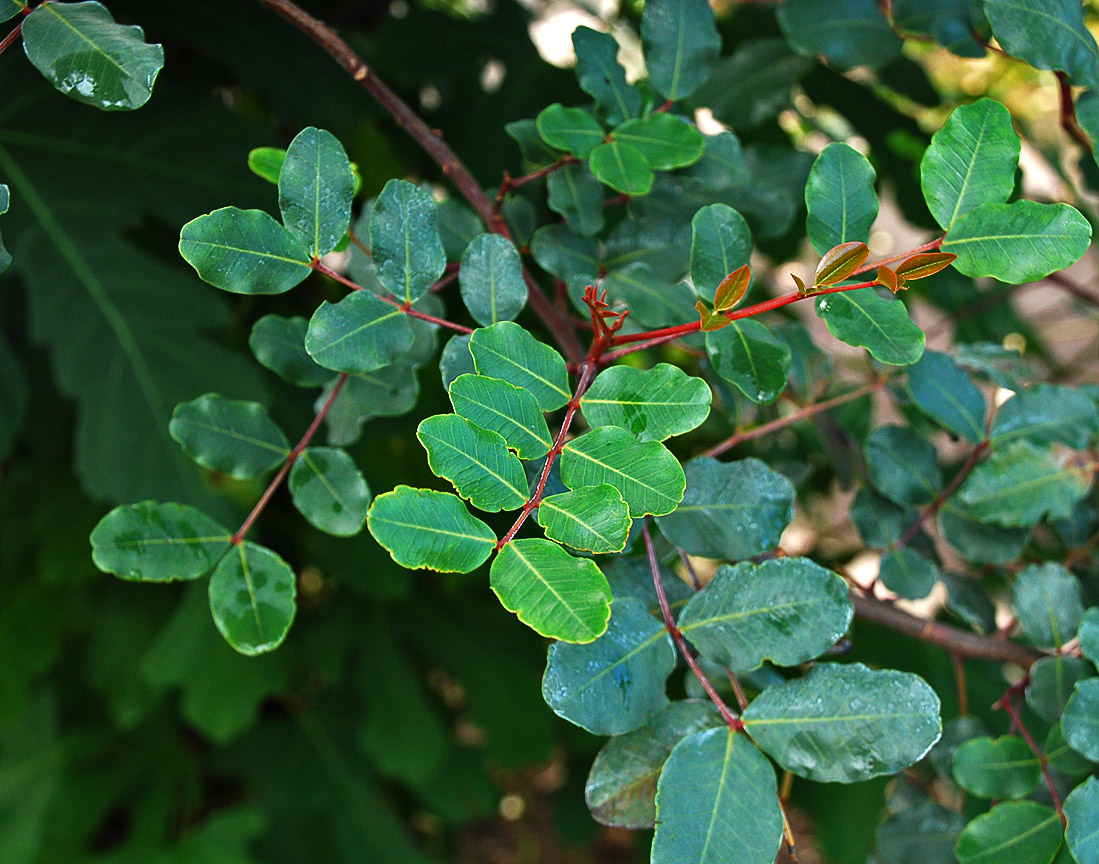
[(1068, 114), (1008, 704), (509, 182), (974, 455)]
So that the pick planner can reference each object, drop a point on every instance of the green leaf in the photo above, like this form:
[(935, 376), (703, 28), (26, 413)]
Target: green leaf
[(840, 198), (388, 392), (787, 610), (1080, 723), (749, 357), (552, 592), (234, 437), (731, 510), (651, 404), (85, 54), (1052, 680), (315, 190), (505, 409), (879, 324), (329, 490), (491, 279), (661, 241), (652, 300), (1047, 34), (679, 40), (359, 334), (11, 8), (252, 598), (646, 473), (420, 528), (575, 193), (1019, 242), (1020, 832), (908, 573), (1063, 758), (921, 832), (997, 768), (616, 683), (457, 361), (971, 161), (509, 352), (593, 518), (5, 201), (847, 32), (666, 141), (621, 786), (967, 599), (902, 465), (477, 461), (531, 144), (151, 542), (621, 167), (1046, 600), (243, 251), (278, 344), (562, 252), (1082, 812), (717, 801), (846, 723), (601, 77), (944, 393), (266, 163), (573, 130), (948, 22), (1088, 634), (405, 247), (1020, 484), (1047, 414), (721, 242)]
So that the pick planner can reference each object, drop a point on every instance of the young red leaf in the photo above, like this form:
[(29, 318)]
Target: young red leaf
[(927, 264), (840, 262), (802, 289), (732, 289), (888, 278), (709, 320)]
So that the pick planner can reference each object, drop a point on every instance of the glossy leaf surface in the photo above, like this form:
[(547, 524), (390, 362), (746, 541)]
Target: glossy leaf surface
[(902, 465), (1080, 724), (847, 32), (680, 41), (278, 343), (575, 193), (477, 461), (652, 404), (405, 247), (1022, 832), (505, 409), (592, 518), (234, 437), (839, 262), (840, 198), (879, 324), (491, 279), (1047, 414), (664, 140), (252, 597), (1052, 680), (1048, 34), (622, 167), (997, 768), (570, 129), (1046, 600), (945, 394), (616, 683), (721, 243), (1082, 812), (359, 334), (315, 190), (509, 352), (746, 355), (906, 572), (329, 490), (601, 76)]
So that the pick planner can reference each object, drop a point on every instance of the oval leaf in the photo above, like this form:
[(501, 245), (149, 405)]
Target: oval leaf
[(664, 140), (507, 351), (234, 437), (652, 404), (943, 392), (879, 324), (732, 289), (997, 768), (477, 461), (1082, 812), (491, 279), (1047, 34), (359, 334), (680, 42), (405, 246), (721, 244), (924, 265), (621, 167), (1046, 600), (751, 359), (1022, 832), (278, 344), (505, 409), (315, 190), (593, 518), (570, 129), (252, 598), (329, 490), (840, 262), (841, 202)]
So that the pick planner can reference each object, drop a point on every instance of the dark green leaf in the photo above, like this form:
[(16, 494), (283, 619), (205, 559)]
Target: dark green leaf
[(921, 833), (662, 242), (1052, 680), (329, 490), (1088, 634), (754, 84), (1082, 812), (840, 198), (1020, 832), (977, 540), (491, 280), (1080, 724), (279, 345), (680, 41), (997, 768), (505, 409), (388, 392), (456, 361), (593, 519), (234, 437), (652, 300), (717, 801), (252, 598), (908, 573), (5, 201), (646, 473), (948, 22), (458, 226), (601, 77), (1019, 242), (509, 352), (573, 130), (1020, 484), (552, 592), (150, 542), (11, 8), (1047, 414), (433, 530), (531, 144), (731, 510), (575, 193), (971, 161), (665, 140), (621, 786), (1063, 758), (405, 246), (787, 610), (359, 334), (1048, 34), (564, 253), (621, 167), (652, 404), (847, 32), (315, 190), (86, 55), (902, 465), (879, 324), (243, 251), (1046, 600), (967, 599), (477, 461), (945, 394), (721, 242), (846, 723), (748, 356)]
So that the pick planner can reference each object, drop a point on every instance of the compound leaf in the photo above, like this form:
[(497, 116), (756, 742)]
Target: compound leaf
[(746, 355), (592, 518), (616, 683), (840, 198), (996, 768), (943, 392), (1022, 832), (509, 352), (405, 246), (278, 344), (552, 592), (879, 324), (358, 334), (1046, 600), (316, 186), (1048, 34), (491, 279), (329, 490), (665, 141), (601, 76), (252, 598), (622, 167), (573, 130), (234, 437), (652, 404), (477, 461), (511, 412), (721, 242)]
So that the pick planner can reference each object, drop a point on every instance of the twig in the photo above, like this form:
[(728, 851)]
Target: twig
[(1069, 122), (952, 487), (1007, 704)]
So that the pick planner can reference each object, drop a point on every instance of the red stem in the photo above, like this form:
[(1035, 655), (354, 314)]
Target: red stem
[(930, 246), (11, 37), (952, 487), (1069, 122), (1008, 706), (509, 182)]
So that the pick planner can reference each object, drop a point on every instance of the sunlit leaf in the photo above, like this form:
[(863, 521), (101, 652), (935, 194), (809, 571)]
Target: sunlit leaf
[(839, 262), (315, 190), (573, 130), (592, 518), (503, 408), (879, 324), (477, 461), (665, 141), (652, 404), (509, 352), (622, 167)]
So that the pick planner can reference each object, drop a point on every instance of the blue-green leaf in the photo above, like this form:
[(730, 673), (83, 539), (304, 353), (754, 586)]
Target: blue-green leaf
[(948, 22), (1047, 414), (359, 334), (315, 190), (945, 394), (1052, 680), (1046, 600), (745, 354), (679, 40), (405, 246), (575, 193), (491, 279), (252, 598), (1022, 832), (234, 437), (906, 572), (1082, 812), (601, 77), (880, 325), (278, 344), (840, 198), (1048, 34), (847, 32), (902, 465), (721, 242), (509, 352), (329, 490)]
